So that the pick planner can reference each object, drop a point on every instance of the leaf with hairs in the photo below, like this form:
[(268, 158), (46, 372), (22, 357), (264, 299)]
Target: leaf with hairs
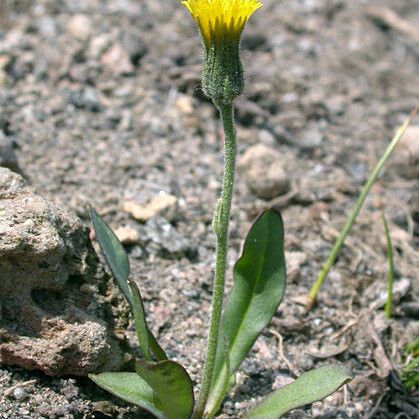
[(310, 387), (173, 390), (259, 285), (130, 387)]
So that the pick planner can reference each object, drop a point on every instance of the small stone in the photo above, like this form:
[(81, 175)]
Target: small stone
[(117, 60), (80, 27), (20, 394), (98, 45), (184, 104), (46, 26), (406, 155), (8, 156), (127, 235), (265, 174), (311, 139), (159, 237), (294, 262), (164, 205), (266, 137), (85, 99), (400, 288)]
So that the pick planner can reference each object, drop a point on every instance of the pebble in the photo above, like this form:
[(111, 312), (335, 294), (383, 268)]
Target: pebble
[(20, 394), (159, 237), (80, 27), (8, 156), (117, 60), (127, 235), (406, 155), (400, 289), (184, 104), (85, 99), (46, 26), (311, 139), (98, 45), (265, 174), (164, 205)]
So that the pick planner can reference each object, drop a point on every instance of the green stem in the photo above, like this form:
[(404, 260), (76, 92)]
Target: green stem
[(221, 225), (312, 296)]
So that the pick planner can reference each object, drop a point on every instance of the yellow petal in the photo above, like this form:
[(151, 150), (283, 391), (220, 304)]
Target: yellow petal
[(219, 19)]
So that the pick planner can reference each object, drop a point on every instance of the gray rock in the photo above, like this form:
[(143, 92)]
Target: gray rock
[(311, 139), (8, 156), (47, 322), (46, 26), (406, 156), (264, 171), (20, 394), (158, 236)]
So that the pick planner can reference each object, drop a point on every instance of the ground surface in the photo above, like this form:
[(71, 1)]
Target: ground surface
[(105, 107)]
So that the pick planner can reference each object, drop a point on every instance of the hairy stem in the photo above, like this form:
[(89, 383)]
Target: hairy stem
[(221, 226)]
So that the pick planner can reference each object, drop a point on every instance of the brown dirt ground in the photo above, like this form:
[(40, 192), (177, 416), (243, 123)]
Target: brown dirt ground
[(328, 82)]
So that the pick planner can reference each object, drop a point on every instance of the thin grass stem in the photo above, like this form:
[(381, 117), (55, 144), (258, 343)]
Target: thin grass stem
[(312, 296)]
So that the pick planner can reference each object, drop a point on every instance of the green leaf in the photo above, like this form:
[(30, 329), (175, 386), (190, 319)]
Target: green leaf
[(114, 253), (146, 339), (390, 273), (173, 391), (140, 321), (310, 387), (259, 284), (130, 387), (226, 385), (117, 260)]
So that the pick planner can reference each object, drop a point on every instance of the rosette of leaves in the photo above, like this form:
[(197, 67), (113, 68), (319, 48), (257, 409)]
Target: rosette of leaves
[(162, 386)]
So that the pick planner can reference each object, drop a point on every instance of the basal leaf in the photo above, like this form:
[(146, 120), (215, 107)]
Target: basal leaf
[(310, 387), (259, 284), (146, 339), (173, 391), (114, 253), (140, 320), (117, 260), (130, 387)]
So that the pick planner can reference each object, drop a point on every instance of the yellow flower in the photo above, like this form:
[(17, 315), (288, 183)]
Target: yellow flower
[(221, 20)]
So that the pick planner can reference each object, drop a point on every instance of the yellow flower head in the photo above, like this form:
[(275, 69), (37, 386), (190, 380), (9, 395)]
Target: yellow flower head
[(221, 19)]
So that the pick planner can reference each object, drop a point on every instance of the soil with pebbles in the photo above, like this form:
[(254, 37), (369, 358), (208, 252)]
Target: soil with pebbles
[(100, 104)]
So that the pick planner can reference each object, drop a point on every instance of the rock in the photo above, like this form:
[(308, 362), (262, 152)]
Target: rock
[(127, 235), (47, 323), (264, 172), (80, 27), (378, 293), (117, 60), (20, 394), (295, 260), (159, 237), (86, 98), (46, 26), (311, 139), (406, 156), (164, 205), (4, 62), (8, 156), (98, 45), (134, 46), (185, 105)]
